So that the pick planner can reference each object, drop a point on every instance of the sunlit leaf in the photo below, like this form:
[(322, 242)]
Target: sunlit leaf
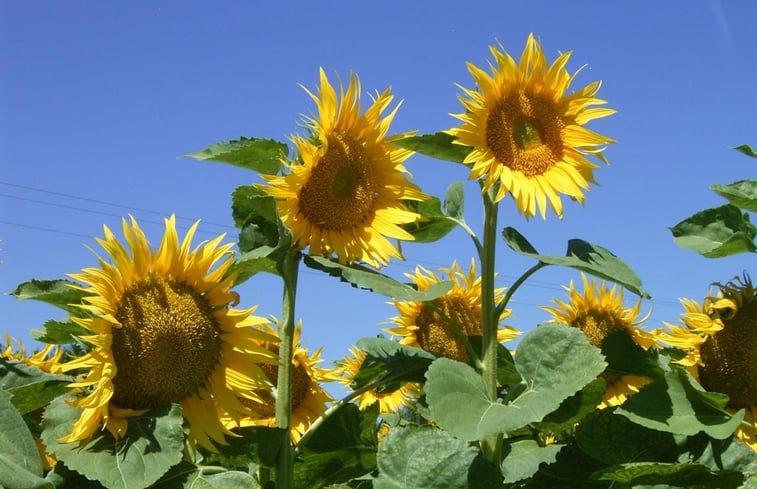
[(423, 457), (583, 256), (677, 475), (364, 278), (261, 155), (742, 194), (20, 464), (30, 387), (152, 445), (434, 225), (58, 332), (523, 458), (58, 293), (716, 232), (438, 145)]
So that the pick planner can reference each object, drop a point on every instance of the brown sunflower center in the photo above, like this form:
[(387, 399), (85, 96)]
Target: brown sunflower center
[(596, 325), (730, 358), (437, 336), (341, 190), (300, 387), (167, 346), (524, 132)]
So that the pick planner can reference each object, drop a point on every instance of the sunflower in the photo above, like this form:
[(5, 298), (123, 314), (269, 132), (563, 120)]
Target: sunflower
[(346, 198), (719, 337), (599, 311), (309, 399), (163, 332), (527, 134), (389, 402), (420, 326)]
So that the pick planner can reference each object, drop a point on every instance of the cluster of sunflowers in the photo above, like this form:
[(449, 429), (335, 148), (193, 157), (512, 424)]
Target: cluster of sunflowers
[(157, 380)]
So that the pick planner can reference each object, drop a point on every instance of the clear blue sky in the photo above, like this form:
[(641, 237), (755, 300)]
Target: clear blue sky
[(97, 101)]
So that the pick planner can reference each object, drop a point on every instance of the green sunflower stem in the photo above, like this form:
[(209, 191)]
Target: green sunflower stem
[(285, 465), (490, 446)]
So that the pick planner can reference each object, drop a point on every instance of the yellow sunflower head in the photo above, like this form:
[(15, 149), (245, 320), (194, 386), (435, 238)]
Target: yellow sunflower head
[(421, 326), (43, 359), (389, 402), (346, 196), (163, 332), (309, 399), (719, 337), (527, 134), (599, 311)]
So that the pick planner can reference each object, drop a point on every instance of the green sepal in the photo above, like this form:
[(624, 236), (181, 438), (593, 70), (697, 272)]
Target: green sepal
[(522, 458), (342, 448), (260, 155), (690, 475), (30, 387), (257, 444), (676, 404), (58, 332), (392, 362), (747, 150), (20, 463), (153, 444), (364, 278), (612, 439), (422, 456), (58, 293), (716, 232), (554, 361), (583, 256), (439, 145), (742, 194)]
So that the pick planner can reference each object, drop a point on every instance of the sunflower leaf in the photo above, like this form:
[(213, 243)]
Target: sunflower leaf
[(583, 256), (747, 150), (386, 359), (260, 155), (152, 445), (439, 145), (421, 456), (30, 387), (188, 476), (364, 278), (742, 194), (434, 225), (454, 201), (20, 464), (59, 293), (728, 454), (554, 361), (678, 475), (254, 443), (672, 403), (523, 458), (716, 232), (58, 332), (625, 357), (573, 409)]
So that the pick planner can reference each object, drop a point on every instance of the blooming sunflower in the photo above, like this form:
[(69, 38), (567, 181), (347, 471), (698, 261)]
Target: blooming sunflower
[(389, 402), (527, 134), (599, 311), (163, 332), (346, 196), (309, 400), (420, 326), (720, 339)]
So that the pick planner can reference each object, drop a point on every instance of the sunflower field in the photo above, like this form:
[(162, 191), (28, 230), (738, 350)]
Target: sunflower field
[(164, 377)]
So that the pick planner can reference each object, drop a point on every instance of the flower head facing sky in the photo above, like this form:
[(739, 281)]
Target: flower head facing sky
[(527, 133), (346, 197), (163, 332)]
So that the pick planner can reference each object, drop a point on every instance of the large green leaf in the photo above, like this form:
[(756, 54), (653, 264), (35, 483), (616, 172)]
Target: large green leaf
[(364, 278), (728, 454), (625, 357), (742, 194), (747, 150), (20, 463), (423, 457), (678, 475), (524, 457), (439, 145), (555, 361), (58, 293), (434, 225), (386, 359), (261, 155), (152, 445), (259, 444), (672, 403), (572, 469), (716, 232), (583, 256), (58, 332), (188, 476), (30, 387), (574, 409)]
